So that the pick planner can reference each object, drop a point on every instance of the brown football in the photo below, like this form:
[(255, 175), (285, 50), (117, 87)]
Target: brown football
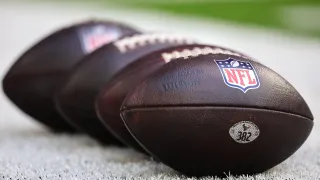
[(113, 93), (32, 80), (212, 112), (76, 99)]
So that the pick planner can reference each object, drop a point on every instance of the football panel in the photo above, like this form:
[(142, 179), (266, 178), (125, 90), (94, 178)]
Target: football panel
[(28, 95), (199, 80), (30, 87), (207, 140)]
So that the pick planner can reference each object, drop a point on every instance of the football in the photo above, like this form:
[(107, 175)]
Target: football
[(33, 79), (113, 93), (212, 112), (76, 99)]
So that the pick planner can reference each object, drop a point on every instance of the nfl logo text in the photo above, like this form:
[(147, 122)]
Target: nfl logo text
[(238, 74), (94, 37)]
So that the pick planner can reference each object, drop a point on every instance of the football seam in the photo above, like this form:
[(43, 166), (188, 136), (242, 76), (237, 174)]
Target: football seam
[(123, 109), (132, 42)]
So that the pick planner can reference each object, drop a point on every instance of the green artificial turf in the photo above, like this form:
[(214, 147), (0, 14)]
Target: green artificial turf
[(262, 13)]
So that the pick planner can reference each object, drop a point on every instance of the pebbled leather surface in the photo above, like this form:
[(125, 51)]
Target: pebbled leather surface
[(33, 79), (76, 99), (112, 95), (182, 113)]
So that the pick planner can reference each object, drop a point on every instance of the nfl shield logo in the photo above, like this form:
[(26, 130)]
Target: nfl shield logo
[(94, 37), (238, 74)]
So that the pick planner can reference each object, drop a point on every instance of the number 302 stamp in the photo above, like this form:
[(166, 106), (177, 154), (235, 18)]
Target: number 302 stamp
[(244, 132)]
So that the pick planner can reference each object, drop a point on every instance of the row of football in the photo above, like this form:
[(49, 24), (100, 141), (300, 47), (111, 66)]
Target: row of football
[(200, 109)]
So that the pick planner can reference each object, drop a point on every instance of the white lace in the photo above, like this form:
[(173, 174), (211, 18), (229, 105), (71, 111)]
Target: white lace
[(140, 40), (186, 53)]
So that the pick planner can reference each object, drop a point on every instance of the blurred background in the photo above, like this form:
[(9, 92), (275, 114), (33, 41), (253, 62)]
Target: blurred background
[(282, 34), (295, 16)]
